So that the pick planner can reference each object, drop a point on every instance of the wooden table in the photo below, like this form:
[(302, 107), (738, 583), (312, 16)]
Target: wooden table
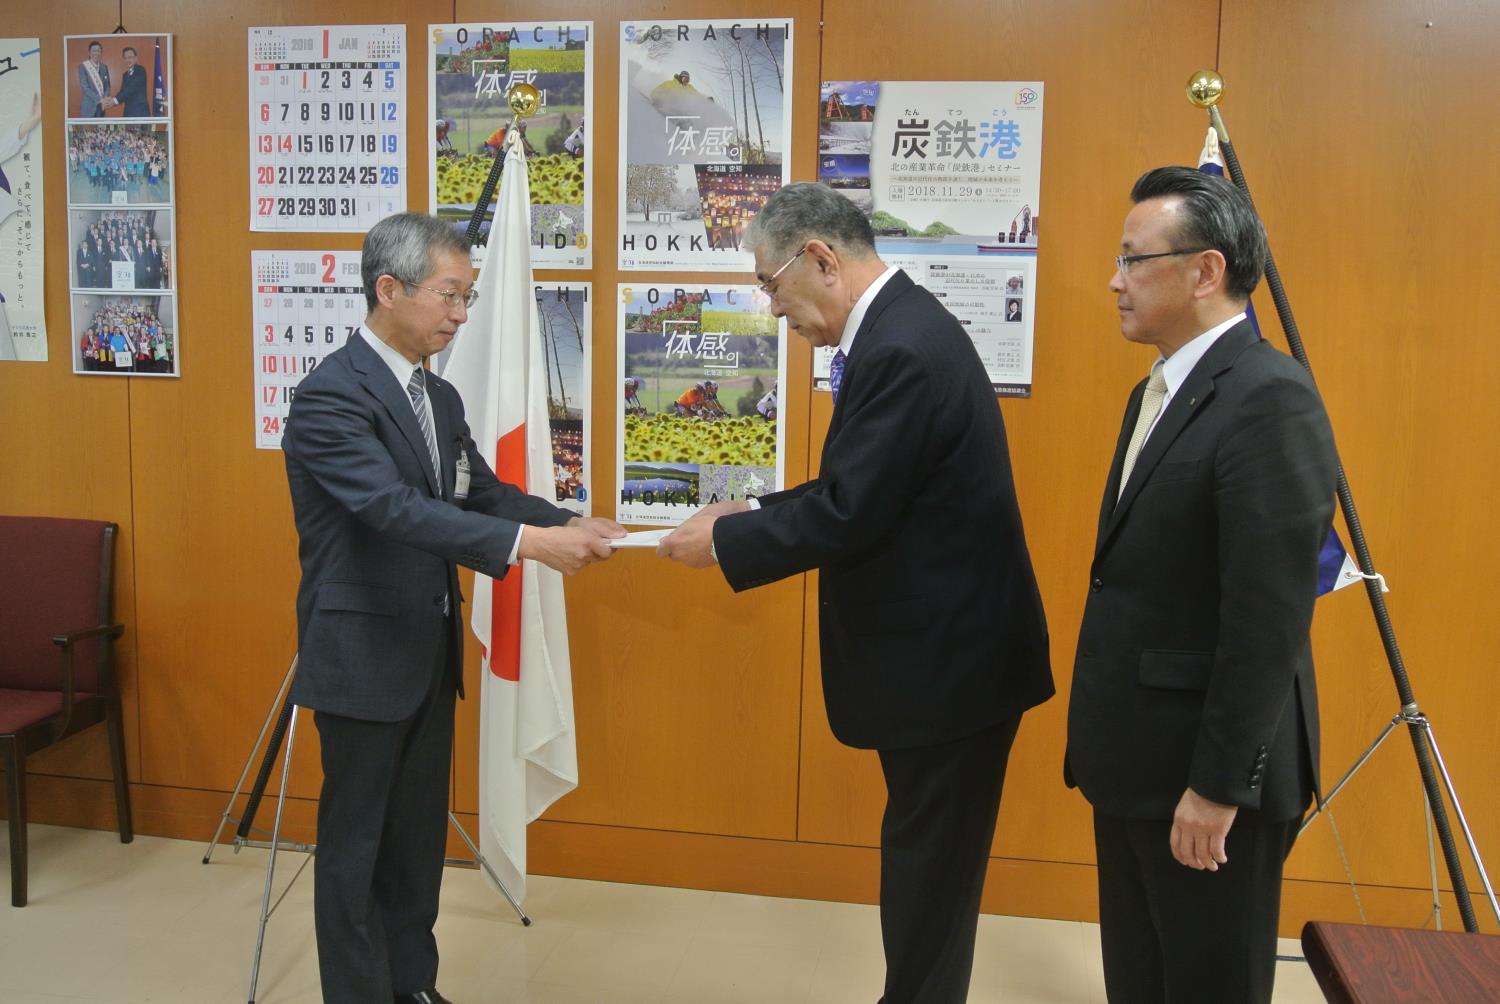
[(1356, 964)]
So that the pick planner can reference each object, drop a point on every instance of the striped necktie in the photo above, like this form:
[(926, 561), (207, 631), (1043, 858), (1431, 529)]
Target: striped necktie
[(836, 374), (417, 388)]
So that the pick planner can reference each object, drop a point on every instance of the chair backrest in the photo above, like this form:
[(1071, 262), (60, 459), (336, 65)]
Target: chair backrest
[(55, 577)]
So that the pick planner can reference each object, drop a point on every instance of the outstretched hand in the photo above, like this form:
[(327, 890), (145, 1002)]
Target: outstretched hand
[(692, 542), (564, 548)]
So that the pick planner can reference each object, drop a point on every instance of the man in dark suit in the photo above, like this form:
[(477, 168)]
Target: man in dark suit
[(1193, 724), (390, 494), (84, 265), (132, 93), (933, 636)]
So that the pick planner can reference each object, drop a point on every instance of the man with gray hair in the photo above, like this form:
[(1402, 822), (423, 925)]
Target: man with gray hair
[(932, 632), (1193, 720), (390, 494)]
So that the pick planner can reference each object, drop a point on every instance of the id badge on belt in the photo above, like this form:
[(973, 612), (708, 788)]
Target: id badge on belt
[(461, 477)]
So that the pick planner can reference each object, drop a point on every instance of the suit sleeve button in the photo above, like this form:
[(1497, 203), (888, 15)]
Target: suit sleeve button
[(1096, 585)]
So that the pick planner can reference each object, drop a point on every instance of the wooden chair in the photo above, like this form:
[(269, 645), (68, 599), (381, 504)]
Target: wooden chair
[(56, 643)]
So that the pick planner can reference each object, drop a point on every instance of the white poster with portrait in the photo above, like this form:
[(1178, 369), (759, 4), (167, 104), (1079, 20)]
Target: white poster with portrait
[(23, 326), (705, 127), (700, 404)]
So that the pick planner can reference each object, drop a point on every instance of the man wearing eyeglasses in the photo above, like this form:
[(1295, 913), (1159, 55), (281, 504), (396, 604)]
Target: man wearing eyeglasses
[(390, 494), (1193, 724), (932, 632)]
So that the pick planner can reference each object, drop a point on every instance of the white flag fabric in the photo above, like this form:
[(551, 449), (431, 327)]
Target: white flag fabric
[(528, 758)]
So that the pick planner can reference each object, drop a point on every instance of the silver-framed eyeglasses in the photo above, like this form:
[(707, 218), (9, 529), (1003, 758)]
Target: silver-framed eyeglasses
[(451, 297), (1124, 261), (765, 287)]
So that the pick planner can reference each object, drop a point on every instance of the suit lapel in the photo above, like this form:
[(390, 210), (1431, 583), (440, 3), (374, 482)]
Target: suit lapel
[(380, 383), (1190, 401), (439, 394), (1112, 483), (894, 288)]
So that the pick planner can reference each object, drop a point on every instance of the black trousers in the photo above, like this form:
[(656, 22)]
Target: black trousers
[(935, 840), (382, 834), (1177, 935)]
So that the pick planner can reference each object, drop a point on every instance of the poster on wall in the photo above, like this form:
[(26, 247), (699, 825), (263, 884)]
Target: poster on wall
[(472, 66), (700, 407), (23, 327), (949, 173), (705, 126), (563, 325), (327, 127), (305, 304), (122, 224)]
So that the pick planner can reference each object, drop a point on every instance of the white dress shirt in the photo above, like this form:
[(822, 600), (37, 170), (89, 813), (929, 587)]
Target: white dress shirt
[(1176, 368)]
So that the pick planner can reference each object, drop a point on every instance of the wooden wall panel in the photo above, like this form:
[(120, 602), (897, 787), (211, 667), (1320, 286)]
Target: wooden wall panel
[(1369, 151), (66, 440), (704, 751)]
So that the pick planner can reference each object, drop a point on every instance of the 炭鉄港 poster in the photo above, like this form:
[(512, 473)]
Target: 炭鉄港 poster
[(949, 173)]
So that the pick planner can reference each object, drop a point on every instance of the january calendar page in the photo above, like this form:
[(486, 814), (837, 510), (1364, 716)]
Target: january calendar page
[(306, 304), (327, 127)]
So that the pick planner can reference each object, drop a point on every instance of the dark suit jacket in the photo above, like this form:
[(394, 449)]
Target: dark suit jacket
[(1194, 667), (132, 94), (931, 623), (377, 542)]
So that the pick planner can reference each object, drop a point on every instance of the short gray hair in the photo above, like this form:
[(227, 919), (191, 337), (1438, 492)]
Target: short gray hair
[(804, 211), (403, 246)]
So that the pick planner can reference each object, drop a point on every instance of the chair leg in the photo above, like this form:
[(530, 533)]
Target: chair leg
[(15, 787), (112, 724)]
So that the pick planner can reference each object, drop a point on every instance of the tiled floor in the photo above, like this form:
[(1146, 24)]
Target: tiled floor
[(147, 922)]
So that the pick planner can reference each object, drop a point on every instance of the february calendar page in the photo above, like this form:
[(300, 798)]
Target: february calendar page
[(327, 118), (306, 304)]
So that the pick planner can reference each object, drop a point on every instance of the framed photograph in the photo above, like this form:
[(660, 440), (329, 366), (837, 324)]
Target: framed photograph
[(121, 249), (127, 335), (117, 76), (119, 164)]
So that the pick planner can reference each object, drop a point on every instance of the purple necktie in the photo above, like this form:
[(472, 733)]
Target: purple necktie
[(836, 374)]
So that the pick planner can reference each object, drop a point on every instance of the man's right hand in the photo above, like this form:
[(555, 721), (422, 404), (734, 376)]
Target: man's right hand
[(565, 548)]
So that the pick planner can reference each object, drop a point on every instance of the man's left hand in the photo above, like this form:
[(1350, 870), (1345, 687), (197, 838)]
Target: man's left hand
[(692, 542), (1199, 828), (606, 528)]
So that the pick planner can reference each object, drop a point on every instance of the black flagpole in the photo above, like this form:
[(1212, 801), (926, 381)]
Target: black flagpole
[(1205, 92)]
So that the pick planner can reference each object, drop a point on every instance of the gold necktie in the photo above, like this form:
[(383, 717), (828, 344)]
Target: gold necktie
[(1156, 392)]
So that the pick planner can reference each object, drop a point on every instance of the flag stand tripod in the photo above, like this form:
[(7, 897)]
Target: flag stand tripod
[(1204, 90), (281, 726)]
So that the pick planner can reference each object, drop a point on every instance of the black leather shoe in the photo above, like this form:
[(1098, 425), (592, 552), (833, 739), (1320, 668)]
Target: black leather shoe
[(422, 997)]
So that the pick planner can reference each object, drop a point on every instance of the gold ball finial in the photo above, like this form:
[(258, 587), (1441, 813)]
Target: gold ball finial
[(523, 100), (1205, 88)]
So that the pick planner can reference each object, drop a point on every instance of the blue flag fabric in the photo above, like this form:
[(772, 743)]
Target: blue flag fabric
[(1335, 568), (158, 87)]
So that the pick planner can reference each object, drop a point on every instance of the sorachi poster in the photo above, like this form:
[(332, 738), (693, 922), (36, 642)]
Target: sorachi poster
[(705, 126), (472, 67), (700, 415)]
